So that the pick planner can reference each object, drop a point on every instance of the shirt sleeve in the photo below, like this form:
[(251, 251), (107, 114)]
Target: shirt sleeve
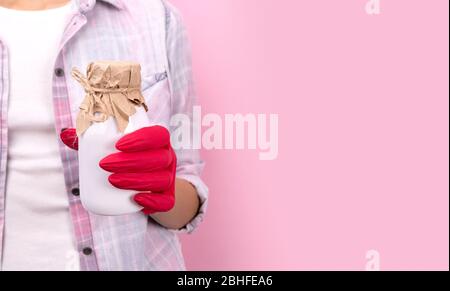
[(189, 163)]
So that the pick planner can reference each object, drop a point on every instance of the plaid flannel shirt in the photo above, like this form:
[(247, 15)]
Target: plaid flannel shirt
[(150, 32)]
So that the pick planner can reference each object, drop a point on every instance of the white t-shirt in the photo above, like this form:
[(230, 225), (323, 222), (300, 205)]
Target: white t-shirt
[(38, 229)]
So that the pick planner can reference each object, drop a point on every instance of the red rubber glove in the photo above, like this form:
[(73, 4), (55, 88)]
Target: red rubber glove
[(145, 162)]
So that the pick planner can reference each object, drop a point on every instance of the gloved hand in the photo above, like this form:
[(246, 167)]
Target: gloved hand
[(145, 163)]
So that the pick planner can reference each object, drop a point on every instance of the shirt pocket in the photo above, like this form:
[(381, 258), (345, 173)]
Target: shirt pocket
[(156, 91)]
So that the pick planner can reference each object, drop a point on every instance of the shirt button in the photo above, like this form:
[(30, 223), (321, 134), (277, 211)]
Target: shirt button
[(87, 251), (76, 192), (59, 72)]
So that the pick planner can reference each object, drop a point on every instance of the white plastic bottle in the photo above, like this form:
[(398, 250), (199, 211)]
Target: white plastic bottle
[(98, 195), (98, 141)]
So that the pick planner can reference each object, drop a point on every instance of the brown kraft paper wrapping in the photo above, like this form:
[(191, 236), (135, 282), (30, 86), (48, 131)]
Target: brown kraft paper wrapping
[(113, 89)]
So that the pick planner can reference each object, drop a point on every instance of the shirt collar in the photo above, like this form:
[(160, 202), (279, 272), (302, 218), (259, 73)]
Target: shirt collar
[(115, 3), (85, 5)]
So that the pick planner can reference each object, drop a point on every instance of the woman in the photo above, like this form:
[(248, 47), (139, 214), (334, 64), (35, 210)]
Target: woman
[(42, 223)]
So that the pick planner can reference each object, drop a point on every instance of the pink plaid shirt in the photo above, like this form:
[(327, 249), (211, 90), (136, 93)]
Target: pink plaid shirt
[(149, 32)]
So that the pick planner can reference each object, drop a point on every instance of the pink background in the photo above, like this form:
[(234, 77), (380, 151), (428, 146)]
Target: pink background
[(363, 134)]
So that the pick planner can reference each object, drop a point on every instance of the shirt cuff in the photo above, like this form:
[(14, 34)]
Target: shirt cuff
[(202, 191)]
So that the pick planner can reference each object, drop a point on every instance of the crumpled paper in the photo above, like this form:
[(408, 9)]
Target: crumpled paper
[(113, 89)]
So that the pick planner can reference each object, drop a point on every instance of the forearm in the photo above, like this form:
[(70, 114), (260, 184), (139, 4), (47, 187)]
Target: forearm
[(186, 207)]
